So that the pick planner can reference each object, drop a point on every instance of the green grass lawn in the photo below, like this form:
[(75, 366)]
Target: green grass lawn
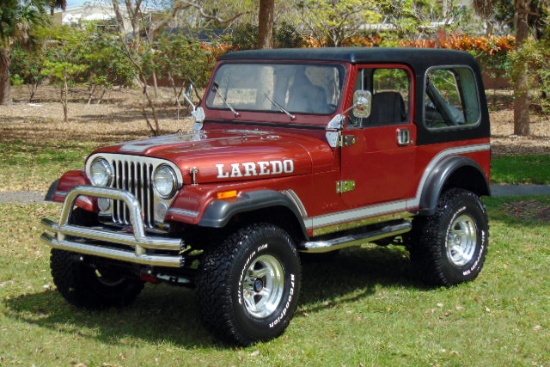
[(363, 308), (521, 169), (26, 166)]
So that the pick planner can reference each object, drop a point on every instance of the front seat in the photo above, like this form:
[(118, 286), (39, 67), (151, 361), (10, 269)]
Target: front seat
[(387, 108), (305, 97)]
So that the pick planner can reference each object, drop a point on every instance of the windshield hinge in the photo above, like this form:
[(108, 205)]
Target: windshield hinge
[(348, 140), (345, 186)]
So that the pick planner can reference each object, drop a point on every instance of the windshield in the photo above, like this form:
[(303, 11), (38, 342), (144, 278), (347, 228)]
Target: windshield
[(283, 88)]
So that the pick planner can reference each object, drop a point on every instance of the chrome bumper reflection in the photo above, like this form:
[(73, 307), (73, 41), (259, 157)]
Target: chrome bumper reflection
[(80, 239)]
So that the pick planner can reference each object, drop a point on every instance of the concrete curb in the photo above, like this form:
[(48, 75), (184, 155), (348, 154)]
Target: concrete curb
[(22, 197), (520, 190)]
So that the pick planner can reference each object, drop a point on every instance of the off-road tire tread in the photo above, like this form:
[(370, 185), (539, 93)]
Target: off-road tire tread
[(214, 294), (426, 236)]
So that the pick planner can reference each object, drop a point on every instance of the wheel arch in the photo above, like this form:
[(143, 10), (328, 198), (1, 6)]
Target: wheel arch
[(452, 172), (255, 207)]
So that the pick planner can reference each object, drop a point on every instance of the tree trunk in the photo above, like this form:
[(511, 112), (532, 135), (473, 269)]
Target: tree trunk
[(521, 84), (65, 97), (119, 17), (265, 24), (5, 83)]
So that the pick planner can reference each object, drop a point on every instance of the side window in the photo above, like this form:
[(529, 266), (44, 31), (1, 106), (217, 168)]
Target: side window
[(390, 88), (451, 99)]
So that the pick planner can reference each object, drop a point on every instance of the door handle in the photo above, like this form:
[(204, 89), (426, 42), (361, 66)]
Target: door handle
[(404, 137)]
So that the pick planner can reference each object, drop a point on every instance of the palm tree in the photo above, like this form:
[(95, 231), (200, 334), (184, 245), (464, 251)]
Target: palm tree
[(17, 18), (57, 4)]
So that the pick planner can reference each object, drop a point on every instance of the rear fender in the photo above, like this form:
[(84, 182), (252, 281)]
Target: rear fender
[(456, 171)]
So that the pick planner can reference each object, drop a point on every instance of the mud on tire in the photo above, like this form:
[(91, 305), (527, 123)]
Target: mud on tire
[(248, 286), (450, 246)]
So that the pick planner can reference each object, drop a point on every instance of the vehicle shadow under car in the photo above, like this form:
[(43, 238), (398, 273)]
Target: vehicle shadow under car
[(164, 312)]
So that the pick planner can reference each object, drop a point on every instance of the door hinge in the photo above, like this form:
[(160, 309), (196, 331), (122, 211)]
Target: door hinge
[(348, 140), (345, 186)]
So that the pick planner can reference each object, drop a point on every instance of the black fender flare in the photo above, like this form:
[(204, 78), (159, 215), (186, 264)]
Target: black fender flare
[(439, 176), (51, 191), (220, 212)]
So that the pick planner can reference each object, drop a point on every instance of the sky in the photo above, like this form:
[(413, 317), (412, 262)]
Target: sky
[(75, 2)]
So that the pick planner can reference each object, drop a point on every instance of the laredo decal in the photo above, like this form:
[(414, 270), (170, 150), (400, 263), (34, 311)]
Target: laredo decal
[(262, 168)]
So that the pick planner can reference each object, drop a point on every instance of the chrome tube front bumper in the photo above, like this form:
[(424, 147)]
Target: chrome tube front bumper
[(75, 238)]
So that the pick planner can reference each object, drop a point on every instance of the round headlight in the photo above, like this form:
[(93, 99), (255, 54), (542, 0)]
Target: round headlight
[(165, 181), (101, 172)]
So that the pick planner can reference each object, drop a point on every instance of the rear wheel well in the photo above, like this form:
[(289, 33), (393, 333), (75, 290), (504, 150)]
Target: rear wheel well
[(456, 172), (467, 178)]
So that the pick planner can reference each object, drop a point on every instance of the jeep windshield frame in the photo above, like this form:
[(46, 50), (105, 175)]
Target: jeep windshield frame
[(291, 88)]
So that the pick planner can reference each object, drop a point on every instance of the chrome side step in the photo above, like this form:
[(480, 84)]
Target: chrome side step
[(355, 239)]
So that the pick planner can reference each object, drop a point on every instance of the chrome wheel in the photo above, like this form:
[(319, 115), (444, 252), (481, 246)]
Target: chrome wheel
[(462, 240), (263, 286)]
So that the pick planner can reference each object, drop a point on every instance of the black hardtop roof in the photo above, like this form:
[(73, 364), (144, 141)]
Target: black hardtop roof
[(416, 57)]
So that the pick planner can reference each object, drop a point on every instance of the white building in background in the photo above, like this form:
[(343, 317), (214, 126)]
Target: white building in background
[(90, 11), (81, 13)]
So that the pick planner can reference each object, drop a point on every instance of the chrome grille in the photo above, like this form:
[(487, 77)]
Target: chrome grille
[(134, 176)]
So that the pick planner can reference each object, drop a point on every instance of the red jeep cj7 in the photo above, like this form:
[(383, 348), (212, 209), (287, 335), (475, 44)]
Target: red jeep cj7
[(293, 151)]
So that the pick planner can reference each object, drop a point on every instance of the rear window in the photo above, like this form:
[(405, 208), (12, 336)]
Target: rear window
[(451, 100)]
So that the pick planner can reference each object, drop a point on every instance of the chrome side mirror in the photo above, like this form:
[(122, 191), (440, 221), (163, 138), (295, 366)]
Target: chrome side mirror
[(198, 112), (362, 102)]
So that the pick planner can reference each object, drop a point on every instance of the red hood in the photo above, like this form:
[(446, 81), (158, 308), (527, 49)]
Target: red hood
[(235, 155)]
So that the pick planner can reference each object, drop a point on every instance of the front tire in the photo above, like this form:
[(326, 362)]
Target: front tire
[(248, 286), (450, 247), (87, 287)]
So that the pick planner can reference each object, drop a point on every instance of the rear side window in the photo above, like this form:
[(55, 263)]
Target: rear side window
[(451, 100)]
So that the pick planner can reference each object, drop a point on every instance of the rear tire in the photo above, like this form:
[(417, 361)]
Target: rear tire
[(450, 247), (248, 286), (84, 286)]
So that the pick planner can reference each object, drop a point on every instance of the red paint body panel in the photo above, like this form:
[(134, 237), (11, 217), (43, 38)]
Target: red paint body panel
[(210, 148), (68, 181), (260, 150)]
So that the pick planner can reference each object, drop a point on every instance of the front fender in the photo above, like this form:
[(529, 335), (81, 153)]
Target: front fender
[(60, 188), (52, 190), (455, 171), (219, 212)]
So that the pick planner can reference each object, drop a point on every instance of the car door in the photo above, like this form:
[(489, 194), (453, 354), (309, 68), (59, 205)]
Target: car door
[(378, 152)]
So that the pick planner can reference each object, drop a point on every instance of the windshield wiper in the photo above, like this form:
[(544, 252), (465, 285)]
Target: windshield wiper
[(214, 88), (292, 117)]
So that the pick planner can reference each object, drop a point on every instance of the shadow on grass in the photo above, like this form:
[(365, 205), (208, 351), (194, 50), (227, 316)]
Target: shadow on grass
[(19, 135), (354, 274), (164, 313)]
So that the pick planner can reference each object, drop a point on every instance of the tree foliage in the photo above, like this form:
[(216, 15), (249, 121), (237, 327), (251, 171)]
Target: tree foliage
[(65, 64), (156, 39), (331, 22), (26, 68), (17, 20), (245, 37)]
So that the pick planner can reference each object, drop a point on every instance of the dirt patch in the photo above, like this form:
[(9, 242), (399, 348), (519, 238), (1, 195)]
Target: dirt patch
[(505, 142), (119, 117), (528, 210)]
